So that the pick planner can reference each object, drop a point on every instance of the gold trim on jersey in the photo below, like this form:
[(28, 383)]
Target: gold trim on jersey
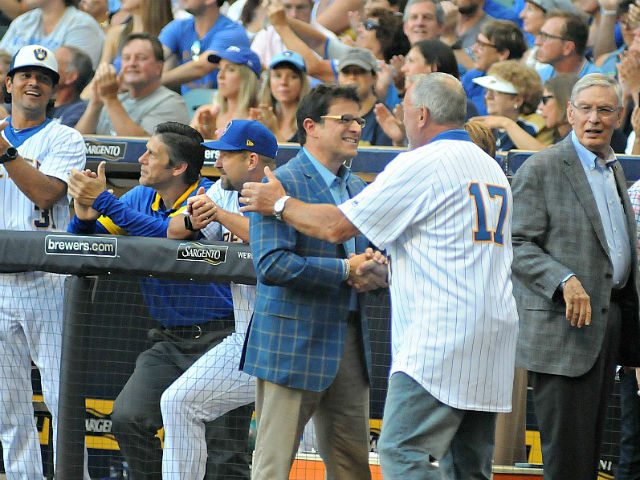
[(114, 229), (155, 206), (111, 227)]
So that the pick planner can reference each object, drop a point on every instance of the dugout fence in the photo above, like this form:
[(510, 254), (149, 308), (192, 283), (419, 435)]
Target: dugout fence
[(108, 312)]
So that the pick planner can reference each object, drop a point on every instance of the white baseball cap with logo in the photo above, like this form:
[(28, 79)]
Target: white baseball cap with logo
[(35, 56)]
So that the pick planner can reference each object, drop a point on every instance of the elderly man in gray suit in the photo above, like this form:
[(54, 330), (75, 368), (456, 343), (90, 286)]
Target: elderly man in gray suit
[(575, 266)]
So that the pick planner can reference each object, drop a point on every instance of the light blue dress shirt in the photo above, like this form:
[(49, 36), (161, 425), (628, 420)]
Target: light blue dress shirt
[(338, 187), (605, 192)]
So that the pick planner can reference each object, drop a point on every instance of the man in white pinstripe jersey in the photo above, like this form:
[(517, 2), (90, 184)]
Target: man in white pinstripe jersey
[(442, 211), (36, 156)]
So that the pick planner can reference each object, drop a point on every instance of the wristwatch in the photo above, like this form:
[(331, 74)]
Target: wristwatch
[(278, 207), (188, 225), (9, 154)]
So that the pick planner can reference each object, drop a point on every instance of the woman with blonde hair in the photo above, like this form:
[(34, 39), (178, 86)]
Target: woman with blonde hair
[(512, 95), (239, 71), (285, 84)]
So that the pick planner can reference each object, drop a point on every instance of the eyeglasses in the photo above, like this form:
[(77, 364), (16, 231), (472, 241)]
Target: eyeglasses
[(370, 25), (483, 44), (545, 37), (604, 111), (347, 119), (546, 98), (195, 50)]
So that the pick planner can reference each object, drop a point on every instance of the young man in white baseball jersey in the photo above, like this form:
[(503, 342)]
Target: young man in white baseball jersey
[(36, 157), (442, 211), (214, 384)]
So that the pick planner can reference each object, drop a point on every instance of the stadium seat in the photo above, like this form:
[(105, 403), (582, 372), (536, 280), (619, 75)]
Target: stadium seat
[(197, 97)]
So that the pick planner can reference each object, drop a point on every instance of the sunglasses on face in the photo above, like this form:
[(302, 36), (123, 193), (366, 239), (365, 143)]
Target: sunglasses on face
[(546, 98), (545, 37)]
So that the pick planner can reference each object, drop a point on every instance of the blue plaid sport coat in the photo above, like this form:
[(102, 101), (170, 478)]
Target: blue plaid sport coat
[(297, 333)]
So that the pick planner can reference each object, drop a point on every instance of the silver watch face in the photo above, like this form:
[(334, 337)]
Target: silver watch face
[(278, 207)]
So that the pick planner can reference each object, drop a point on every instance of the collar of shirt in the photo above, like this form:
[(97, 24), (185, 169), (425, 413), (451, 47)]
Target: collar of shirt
[(16, 137), (327, 175), (589, 159), (454, 134), (158, 203)]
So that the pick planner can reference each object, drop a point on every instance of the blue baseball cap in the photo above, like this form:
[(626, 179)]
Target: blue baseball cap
[(239, 55), (291, 57), (246, 135)]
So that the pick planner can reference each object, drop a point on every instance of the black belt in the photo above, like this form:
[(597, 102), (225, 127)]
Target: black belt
[(196, 331)]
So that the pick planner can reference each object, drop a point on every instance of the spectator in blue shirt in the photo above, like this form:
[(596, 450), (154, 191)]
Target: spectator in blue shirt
[(188, 43)]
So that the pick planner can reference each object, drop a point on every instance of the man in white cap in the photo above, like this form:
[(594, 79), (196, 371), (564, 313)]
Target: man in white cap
[(36, 157)]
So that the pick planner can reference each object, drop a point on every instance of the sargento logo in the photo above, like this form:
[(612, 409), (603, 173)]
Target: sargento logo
[(197, 252), (108, 150), (81, 245)]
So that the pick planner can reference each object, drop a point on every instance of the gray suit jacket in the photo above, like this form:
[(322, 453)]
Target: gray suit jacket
[(556, 231)]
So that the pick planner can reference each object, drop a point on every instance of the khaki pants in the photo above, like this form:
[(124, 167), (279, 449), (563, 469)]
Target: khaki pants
[(340, 415)]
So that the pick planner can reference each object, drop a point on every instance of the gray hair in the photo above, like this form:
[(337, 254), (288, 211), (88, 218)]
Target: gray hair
[(596, 80), (442, 94), (439, 10)]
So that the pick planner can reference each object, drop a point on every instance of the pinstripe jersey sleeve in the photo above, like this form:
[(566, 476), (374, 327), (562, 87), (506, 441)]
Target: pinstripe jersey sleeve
[(54, 150)]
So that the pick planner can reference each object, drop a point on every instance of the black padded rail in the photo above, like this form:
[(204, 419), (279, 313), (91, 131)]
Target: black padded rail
[(84, 255)]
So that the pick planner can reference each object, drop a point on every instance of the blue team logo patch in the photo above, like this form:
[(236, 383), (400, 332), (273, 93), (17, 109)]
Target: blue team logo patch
[(40, 53)]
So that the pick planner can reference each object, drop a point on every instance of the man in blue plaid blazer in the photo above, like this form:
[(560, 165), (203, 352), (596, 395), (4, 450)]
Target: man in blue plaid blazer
[(308, 343)]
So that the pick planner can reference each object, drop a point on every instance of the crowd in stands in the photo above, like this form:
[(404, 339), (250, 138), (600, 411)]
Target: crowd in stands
[(127, 66), (254, 60)]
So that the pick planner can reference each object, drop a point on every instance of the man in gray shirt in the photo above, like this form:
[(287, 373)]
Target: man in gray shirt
[(146, 102)]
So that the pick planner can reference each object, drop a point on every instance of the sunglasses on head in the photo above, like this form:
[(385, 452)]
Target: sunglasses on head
[(370, 25), (195, 50)]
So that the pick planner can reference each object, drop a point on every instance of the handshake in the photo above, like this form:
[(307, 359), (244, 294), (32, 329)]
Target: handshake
[(368, 271)]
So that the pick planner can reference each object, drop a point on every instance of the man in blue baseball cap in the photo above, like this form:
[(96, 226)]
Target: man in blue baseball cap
[(214, 385)]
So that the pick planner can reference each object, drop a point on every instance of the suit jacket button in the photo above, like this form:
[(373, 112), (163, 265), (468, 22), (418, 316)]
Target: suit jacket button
[(608, 275), (605, 310)]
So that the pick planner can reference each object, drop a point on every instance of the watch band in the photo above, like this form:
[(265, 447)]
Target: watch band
[(11, 153), (188, 225)]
